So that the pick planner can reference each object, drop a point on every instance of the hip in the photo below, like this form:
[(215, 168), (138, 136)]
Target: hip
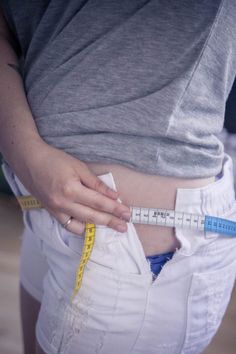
[(151, 191)]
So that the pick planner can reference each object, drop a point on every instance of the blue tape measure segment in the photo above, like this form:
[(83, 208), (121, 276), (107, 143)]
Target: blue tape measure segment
[(219, 225)]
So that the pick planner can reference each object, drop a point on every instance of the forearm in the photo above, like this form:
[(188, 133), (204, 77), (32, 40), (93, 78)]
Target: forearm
[(18, 131)]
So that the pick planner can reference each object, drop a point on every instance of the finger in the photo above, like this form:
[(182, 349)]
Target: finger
[(92, 181), (87, 215), (99, 202), (75, 226)]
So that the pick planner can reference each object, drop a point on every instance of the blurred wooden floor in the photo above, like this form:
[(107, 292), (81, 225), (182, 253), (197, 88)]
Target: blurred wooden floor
[(10, 333)]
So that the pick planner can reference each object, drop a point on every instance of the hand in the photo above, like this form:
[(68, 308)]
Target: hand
[(66, 187)]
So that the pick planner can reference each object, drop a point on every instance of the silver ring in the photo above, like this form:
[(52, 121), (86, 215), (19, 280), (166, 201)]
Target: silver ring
[(67, 222)]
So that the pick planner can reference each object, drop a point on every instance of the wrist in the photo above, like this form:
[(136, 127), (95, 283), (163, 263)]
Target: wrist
[(20, 152)]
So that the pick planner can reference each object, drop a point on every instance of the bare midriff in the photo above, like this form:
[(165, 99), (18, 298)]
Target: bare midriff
[(154, 191)]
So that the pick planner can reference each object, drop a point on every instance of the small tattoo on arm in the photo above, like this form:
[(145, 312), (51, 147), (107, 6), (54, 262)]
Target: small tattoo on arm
[(15, 67)]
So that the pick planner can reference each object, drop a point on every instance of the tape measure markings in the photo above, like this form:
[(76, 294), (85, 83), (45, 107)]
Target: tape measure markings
[(89, 239), (214, 224), (162, 217), (28, 202), (166, 217)]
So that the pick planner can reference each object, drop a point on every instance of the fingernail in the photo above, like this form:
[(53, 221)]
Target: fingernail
[(121, 228), (126, 216), (112, 193)]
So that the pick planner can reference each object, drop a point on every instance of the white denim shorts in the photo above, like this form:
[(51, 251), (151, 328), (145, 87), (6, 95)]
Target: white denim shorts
[(119, 307)]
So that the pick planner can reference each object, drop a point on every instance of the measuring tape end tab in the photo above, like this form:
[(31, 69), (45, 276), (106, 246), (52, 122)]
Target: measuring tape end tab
[(28, 202)]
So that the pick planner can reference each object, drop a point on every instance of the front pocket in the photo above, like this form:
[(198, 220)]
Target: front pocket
[(65, 241), (101, 285), (48, 229), (207, 302)]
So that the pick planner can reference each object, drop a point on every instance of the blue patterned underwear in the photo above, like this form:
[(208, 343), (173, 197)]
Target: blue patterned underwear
[(158, 261)]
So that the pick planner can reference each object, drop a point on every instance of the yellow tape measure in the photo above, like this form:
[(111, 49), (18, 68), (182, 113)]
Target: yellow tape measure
[(89, 240), (29, 202)]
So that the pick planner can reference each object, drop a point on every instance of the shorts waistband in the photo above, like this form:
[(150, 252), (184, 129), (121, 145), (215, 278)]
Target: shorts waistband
[(216, 198)]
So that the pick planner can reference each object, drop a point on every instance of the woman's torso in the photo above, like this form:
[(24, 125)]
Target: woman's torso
[(104, 86)]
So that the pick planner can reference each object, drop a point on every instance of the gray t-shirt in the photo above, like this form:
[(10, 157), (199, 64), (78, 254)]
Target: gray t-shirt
[(133, 82)]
